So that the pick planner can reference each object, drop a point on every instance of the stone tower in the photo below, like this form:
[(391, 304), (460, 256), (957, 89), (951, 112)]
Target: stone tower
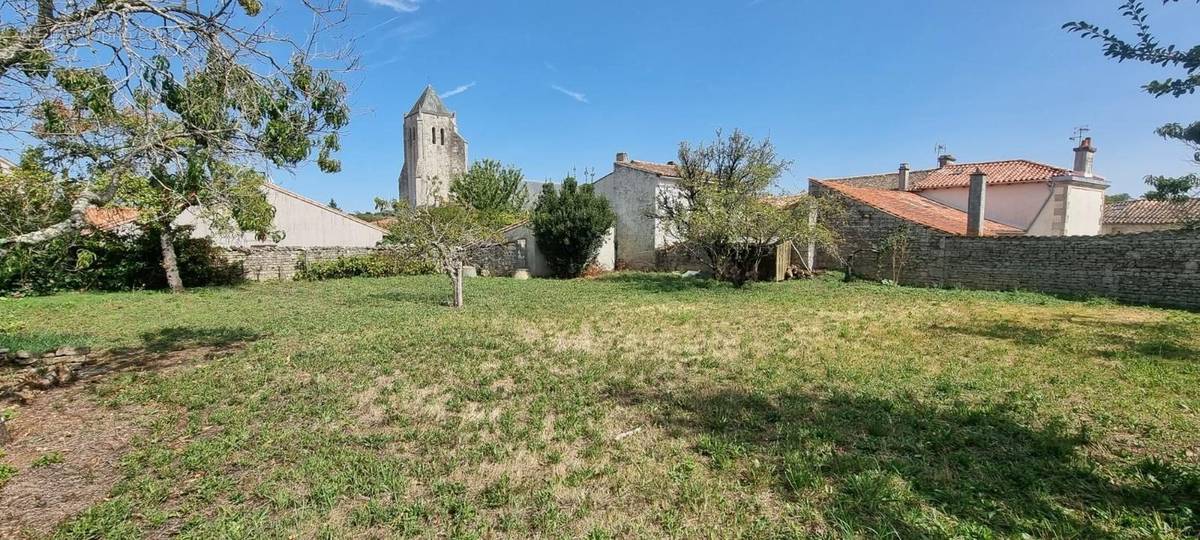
[(434, 152)]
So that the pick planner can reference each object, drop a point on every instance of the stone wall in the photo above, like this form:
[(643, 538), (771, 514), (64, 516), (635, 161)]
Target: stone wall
[(1158, 268), (264, 263), (499, 260)]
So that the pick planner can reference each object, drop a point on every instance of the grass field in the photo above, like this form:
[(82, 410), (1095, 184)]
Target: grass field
[(638, 405)]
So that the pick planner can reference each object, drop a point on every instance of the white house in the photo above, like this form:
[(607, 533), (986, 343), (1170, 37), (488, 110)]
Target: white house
[(634, 189), (303, 222), (1032, 198)]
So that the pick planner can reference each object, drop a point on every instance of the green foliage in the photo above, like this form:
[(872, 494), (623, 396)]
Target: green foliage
[(724, 213), (374, 265), (1174, 189), (31, 197), (117, 263), (46, 460), (160, 128), (1117, 197), (570, 223), (1146, 48), (1189, 135), (492, 188), (7, 472)]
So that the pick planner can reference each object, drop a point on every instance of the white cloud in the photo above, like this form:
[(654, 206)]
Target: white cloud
[(577, 96), (459, 90), (405, 6)]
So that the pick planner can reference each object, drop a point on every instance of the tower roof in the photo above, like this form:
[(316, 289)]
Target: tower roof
[(429, 103)]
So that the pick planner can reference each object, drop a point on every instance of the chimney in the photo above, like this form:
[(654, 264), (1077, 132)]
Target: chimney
[(622, 157), (903, 186), (976, 203), (946, 159), (1084, 156)]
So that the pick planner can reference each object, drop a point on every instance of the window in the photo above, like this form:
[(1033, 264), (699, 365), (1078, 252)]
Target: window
[(434, 132), (443, 136)]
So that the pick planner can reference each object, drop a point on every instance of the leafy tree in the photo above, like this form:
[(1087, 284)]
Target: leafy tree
[(1146, 48), (165, 105), (448, 234), (570, 223), (31, 197), (1117, 197), (333, 204), (723, 211), (491, 188)]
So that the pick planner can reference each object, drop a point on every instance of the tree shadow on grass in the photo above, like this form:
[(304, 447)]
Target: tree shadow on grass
[(176, 338), (661, 282), (1171, 339), (171, 346), (886, 462), (419, 297)]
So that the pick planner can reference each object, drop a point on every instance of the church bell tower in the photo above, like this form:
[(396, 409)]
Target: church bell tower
[(434, 152)]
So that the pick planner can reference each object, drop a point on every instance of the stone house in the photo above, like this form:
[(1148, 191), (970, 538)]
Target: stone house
[(634, 188), (1141, 215), (1016, 197)]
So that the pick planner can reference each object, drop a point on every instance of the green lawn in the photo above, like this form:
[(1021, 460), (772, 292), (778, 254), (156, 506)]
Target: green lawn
[(641, 405)]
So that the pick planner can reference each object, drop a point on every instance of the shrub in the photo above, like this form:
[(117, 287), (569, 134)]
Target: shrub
[(374, 265), (111, 262), (569, 224)]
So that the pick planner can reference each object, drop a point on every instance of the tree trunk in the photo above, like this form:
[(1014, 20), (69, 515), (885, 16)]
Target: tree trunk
[(458, 284), (170, 264)]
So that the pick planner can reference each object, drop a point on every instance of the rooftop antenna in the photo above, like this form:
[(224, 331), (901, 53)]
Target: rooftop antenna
[(939, 150), (1080, 134)]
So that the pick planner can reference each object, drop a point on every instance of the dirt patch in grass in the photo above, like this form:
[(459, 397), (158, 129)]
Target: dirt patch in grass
[(67, 447), (90, 439)]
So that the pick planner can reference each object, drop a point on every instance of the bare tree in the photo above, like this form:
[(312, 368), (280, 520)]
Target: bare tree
[(448, 234), (165, 105)]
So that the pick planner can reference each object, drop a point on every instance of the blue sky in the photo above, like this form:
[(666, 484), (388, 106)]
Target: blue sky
[(841, 87)]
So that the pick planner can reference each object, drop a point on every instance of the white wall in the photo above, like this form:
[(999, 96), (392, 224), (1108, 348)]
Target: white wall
[(536, 262), (1011, 204), (632, 196), (304, 222), (1085, 211)]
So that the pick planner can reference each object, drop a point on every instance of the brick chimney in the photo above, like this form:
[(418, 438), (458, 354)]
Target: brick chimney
[(946, 159), (976, 203), (904, 178), (1084, 157), (622, 157)]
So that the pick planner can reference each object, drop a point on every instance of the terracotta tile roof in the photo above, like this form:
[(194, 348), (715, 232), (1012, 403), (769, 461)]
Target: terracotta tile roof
[(1015, 171), (1012, 171), (107, 219), (1151, 212), (667, 170), (913, 207)]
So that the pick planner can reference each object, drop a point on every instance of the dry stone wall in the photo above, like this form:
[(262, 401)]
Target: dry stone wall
[(264, 263), (1158, 268)]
